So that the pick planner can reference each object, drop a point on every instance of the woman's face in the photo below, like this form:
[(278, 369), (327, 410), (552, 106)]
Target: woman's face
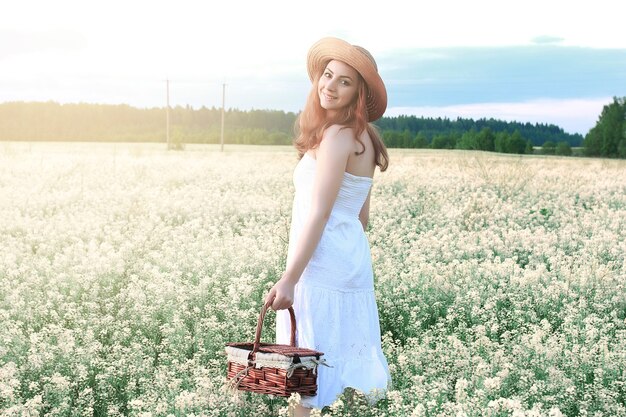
[(337, 87)]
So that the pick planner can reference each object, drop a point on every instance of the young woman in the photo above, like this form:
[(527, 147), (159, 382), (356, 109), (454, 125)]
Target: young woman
[(329, 277)]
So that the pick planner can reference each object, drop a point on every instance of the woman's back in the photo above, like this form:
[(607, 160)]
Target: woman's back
[(361, 165)]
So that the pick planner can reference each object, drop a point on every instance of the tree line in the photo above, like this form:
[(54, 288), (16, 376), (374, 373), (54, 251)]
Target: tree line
[(537, 133), (484, 140), (608, 137), (51, 121)]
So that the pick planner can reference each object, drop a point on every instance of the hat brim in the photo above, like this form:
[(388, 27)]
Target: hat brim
[(327, 49)]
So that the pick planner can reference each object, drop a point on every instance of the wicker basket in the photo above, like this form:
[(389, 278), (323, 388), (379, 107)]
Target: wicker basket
[(273, 369)]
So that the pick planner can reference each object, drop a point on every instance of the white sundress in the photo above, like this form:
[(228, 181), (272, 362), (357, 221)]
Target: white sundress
[(334, 300)]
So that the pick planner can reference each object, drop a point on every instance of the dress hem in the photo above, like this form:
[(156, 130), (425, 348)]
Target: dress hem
[(372, 399)]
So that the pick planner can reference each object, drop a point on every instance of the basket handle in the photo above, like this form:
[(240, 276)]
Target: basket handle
[(259, 326)]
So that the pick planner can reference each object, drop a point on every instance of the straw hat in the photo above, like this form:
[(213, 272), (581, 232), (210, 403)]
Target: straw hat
[(327, 49)]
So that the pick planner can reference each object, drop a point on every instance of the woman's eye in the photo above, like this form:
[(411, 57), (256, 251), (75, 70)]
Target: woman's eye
[(327, 74), (346, 83)]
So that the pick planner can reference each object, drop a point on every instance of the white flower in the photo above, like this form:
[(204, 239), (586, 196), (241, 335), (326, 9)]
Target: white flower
[(130, 260), (492, 384), (555, 412), (418, 411), (337, 405), (459, 388)]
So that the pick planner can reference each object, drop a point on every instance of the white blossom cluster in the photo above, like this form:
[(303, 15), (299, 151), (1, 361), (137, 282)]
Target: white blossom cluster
[(125, 268)]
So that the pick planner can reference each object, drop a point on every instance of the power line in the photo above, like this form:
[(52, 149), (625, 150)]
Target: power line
[(167, 115), (223, 102)]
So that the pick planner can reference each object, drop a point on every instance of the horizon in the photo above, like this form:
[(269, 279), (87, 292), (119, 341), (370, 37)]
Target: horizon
[(227, 109), (478, 60)]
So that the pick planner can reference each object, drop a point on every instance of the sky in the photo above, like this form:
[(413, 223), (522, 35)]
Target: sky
[(555, 62)]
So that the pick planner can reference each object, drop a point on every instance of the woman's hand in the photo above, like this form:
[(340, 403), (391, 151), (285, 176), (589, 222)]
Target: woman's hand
[(281, 294)]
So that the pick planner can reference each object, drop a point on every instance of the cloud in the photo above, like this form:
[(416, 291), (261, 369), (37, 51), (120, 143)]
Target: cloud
[(501, 74), (13, 42), (546, 39), (573, 115)]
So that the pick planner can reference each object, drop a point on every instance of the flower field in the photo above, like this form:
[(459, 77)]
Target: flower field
[(125, 268)]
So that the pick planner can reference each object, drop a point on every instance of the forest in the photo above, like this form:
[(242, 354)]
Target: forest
[(52, 121)]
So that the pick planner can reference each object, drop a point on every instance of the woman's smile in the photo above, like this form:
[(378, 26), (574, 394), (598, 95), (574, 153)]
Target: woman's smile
[(328, 97)]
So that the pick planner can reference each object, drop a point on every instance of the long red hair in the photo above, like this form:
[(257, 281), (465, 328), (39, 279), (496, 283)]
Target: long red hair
[(313, 121)]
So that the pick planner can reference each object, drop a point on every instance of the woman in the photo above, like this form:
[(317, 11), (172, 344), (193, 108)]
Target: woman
[(329, 277)]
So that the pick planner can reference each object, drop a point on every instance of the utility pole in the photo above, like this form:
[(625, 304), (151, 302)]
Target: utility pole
[(167, 115), (223, 101)]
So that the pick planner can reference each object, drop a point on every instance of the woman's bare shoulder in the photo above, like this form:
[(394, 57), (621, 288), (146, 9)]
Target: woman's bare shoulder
[(338, 131), (338, 137)]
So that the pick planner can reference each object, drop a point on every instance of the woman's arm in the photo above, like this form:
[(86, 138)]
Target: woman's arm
[(332, 158)]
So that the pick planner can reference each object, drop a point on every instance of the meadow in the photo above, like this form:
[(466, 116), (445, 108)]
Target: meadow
[(125, 268)]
